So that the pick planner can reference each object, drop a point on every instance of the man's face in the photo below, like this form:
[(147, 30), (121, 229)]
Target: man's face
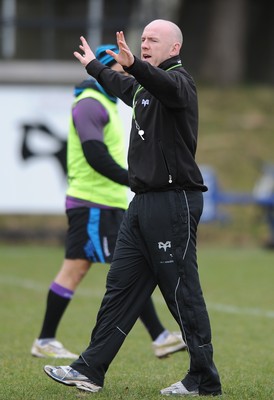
[(156, 45)]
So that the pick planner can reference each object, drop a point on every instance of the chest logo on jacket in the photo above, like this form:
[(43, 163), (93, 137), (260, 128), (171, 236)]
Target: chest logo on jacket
[(145, 102)]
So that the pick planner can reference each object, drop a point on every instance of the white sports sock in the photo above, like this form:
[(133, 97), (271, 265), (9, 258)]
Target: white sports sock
[(162, 337)]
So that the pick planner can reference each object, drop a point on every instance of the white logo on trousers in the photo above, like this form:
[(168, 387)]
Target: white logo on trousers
[(165, 245)]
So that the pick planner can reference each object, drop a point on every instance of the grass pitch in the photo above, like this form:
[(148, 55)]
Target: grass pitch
[(238, 288)]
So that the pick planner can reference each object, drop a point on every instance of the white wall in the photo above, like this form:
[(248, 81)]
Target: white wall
[(36, 184)]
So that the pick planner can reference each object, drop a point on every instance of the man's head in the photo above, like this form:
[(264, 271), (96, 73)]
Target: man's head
[(106, 59), (161, 40)]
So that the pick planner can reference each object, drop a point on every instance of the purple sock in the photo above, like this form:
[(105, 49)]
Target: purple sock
[(61, 290)]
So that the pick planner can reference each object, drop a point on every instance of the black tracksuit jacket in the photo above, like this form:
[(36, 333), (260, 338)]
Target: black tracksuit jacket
[(165, 108)]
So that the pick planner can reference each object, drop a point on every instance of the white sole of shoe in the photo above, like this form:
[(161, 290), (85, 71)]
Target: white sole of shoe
[(163, 353), (86, 386), (36, 353)]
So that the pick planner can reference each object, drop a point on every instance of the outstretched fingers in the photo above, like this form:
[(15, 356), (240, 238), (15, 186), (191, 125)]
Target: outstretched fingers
[(121, 41), (125, 57), (87, 55)]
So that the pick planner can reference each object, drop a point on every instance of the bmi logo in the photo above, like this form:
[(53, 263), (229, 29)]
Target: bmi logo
[(165, 245)]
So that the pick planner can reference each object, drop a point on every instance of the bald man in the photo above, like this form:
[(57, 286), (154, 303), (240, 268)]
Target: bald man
[(156, 244)]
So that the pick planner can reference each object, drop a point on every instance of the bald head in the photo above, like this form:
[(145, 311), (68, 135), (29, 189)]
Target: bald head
[(161, 39), (168, 28)]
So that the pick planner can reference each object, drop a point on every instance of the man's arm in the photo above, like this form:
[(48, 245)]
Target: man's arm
[(98, 157), (172, 89)]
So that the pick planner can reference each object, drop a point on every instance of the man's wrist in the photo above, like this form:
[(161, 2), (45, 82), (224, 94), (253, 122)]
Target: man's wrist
[(94, 68), (128, 68)]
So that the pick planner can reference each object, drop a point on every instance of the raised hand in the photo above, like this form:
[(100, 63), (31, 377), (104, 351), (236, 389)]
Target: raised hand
[(88, 54), (124, 57)]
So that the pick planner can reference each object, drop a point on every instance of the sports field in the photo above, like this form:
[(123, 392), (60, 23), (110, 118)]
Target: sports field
[(238, 285)]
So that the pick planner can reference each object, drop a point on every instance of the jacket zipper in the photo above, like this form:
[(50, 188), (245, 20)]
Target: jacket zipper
[(170, 180)]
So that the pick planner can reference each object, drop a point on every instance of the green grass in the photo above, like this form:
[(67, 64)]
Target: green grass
[(238, 288), (236, 132), (235, 137)]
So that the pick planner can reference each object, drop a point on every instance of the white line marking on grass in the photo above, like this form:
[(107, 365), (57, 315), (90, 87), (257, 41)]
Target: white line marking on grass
[(257, 312), (36, 286), (93, 292), (22, 283)]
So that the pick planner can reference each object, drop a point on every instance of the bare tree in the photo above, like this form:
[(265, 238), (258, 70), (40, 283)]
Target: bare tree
[(145, 11), (224, 60)]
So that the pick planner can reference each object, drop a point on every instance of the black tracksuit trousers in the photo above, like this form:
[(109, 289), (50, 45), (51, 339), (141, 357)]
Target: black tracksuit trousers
[(156, 245)]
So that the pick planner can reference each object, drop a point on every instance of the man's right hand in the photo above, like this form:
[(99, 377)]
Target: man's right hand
[(88, 55)]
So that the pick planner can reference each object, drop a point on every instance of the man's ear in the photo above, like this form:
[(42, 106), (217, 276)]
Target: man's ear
[(175, 49)]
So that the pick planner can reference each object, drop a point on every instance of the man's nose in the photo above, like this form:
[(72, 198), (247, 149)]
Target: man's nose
[(144, 44)]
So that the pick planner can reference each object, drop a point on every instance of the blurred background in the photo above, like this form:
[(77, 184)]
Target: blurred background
[(228, 49)]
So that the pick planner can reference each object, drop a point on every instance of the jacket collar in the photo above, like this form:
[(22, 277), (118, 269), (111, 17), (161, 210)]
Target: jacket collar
[(170, 62)]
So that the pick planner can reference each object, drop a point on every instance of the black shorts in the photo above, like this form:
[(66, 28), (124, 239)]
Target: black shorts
[(92, 233)]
